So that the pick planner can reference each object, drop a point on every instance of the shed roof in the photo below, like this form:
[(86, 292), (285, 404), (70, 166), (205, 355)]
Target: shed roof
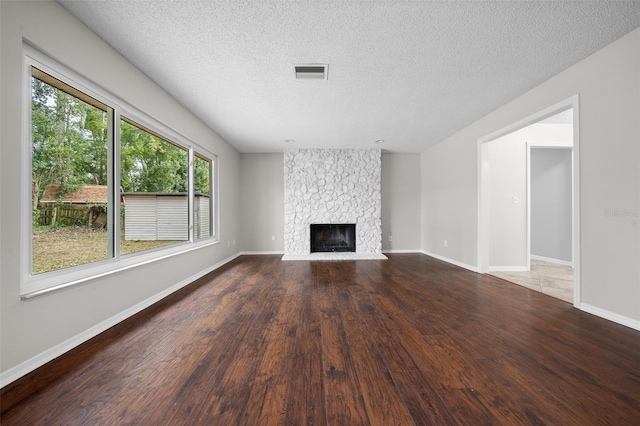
[(88, 194)]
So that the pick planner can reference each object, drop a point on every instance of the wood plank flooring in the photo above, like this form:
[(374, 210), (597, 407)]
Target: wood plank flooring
[(409, 340)]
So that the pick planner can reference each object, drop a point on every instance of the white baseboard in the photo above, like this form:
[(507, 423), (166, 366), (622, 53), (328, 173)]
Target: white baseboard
[(550, 260), (403, 251), (253, 253), (452, 261), (508, 269), (611, 316), (42, 358)]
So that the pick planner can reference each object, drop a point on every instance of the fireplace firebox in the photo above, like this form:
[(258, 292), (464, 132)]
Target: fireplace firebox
[(333, 237)]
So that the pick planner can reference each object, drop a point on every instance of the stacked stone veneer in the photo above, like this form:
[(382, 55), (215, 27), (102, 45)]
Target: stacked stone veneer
[(332, 186)]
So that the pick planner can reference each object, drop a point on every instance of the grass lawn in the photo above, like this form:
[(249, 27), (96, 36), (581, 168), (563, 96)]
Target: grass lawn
[(57, 248)]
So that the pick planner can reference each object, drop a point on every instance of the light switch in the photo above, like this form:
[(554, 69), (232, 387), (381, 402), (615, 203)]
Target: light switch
[(515, 200)]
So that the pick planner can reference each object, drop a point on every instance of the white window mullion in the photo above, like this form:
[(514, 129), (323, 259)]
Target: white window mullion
[(192, 236), (214, 191), (114, 191)]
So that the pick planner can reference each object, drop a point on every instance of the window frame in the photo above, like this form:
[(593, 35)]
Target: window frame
[(213, 190), (32, 285)]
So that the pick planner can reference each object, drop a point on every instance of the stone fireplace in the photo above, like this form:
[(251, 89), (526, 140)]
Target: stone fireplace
[(332, 187)]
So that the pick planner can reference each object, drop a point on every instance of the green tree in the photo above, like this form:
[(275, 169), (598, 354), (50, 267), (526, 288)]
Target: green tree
[(69, 140), (95, 161), (201, 173), (150, 164), (70, 147)]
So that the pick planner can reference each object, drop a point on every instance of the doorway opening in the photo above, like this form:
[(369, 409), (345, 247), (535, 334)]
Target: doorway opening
[(528, 202)]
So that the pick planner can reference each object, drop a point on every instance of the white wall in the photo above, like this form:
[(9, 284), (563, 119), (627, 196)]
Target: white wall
[(401, 202), (31, 327), (551, 203), (608, 84), (449, 200), (262, 188), (508, 220)]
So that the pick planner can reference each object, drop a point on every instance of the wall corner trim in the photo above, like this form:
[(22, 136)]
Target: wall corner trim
[(14, 373), (611, 316), (452, 261)]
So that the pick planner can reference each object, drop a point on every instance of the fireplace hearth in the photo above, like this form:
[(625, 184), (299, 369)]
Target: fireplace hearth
[(333, 237)]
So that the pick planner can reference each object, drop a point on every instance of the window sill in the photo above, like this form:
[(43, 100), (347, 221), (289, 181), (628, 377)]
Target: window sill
[(38, 285)]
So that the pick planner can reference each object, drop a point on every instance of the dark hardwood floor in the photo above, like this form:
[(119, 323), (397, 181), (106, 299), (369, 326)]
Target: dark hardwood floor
[(410, 340)]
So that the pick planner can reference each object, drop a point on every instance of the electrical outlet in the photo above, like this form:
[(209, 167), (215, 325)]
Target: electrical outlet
[(273, 238), (445, 243), (390, 238), (228, 243), (234, 242)]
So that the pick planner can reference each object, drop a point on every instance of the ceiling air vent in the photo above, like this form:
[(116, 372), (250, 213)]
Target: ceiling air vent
[(311, 71)]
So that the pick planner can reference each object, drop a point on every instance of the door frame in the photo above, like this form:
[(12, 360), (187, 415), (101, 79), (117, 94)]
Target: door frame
[(483, 187)]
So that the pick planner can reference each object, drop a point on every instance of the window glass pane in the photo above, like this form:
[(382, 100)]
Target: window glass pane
[(202, 203), (69, 145), (154, 184)]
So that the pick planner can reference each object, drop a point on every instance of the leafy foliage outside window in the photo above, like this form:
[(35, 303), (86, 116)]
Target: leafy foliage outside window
[(201, 175), (68, 150), (69, 141), (149, 163), (203, 203)]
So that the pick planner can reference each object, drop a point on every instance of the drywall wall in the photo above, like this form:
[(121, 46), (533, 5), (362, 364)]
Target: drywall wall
[(32, 327), (262, 201), (401, 202), (551, 203), (262, 188), (608, 85), (508, 202), (449, 200)]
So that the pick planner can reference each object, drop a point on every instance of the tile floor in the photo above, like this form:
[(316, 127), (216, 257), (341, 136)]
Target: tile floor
[(546, 277)]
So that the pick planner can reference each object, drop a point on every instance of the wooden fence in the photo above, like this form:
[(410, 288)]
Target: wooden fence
[(65, 214)]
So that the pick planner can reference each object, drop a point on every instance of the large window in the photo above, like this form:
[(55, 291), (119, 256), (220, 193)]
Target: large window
[(109, 186)]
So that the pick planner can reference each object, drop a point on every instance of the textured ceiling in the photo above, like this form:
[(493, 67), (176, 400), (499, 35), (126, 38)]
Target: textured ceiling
[(409, 72)]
